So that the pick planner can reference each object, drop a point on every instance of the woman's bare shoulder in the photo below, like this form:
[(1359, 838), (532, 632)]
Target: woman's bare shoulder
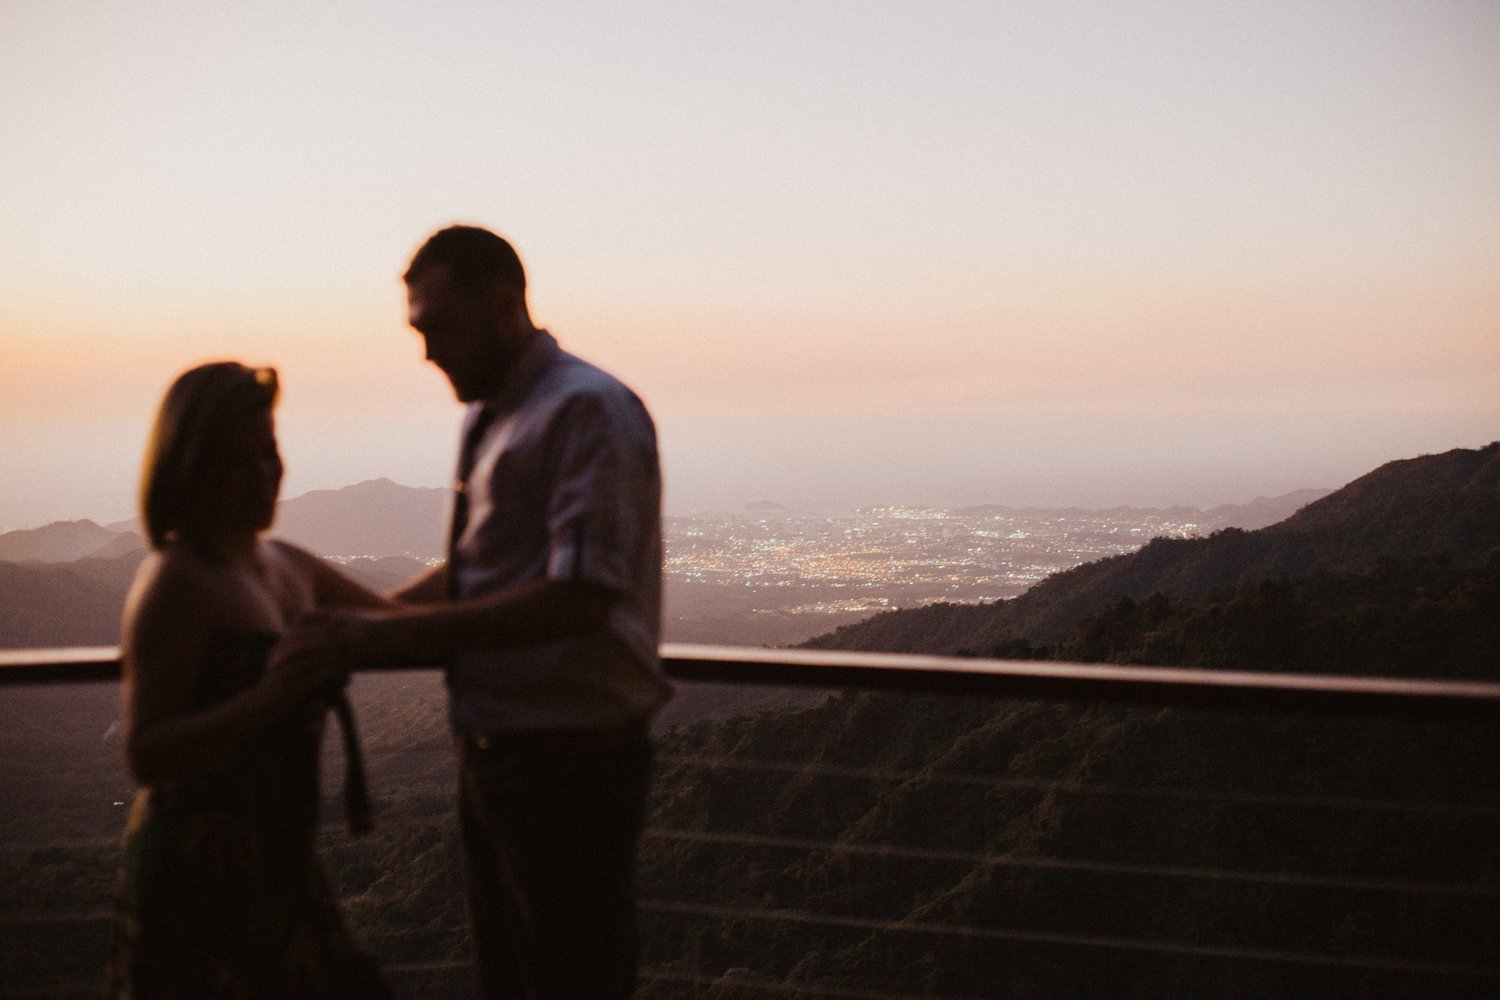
[(173, 582), (288, 553), (292, 575), (292, 563), (172, 567)]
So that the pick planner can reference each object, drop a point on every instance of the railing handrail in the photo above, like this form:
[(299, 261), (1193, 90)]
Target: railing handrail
[(1237, 690)]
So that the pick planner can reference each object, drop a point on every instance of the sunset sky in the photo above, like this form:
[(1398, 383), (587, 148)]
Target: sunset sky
[(850, 253)]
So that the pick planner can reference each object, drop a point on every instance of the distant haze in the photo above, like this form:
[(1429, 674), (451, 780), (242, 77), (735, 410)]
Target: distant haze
[(832, 462)]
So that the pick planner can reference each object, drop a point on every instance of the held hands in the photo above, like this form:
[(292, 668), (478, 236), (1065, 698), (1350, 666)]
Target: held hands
[(314, 657)]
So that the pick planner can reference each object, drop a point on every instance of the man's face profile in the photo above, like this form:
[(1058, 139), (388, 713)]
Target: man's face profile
[(460, 331), (252, 480)]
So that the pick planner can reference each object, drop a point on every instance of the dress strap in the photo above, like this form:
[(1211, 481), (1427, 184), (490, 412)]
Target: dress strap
[(357, 807)]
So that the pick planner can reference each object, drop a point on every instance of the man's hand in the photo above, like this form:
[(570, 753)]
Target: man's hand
[(315, 655)]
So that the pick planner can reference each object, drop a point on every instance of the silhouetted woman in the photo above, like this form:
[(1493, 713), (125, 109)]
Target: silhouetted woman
[(221, 890)]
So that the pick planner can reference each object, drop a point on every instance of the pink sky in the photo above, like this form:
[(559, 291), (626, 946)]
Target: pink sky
[(854, 254)]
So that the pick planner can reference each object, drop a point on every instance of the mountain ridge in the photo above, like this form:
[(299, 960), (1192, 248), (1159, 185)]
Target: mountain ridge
[(380, 517), (373, 518), (60, 541), (1443, 506)]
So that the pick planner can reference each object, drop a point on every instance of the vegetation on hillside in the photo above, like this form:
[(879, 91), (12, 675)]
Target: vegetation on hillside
[(963, 847), (1407, 618)]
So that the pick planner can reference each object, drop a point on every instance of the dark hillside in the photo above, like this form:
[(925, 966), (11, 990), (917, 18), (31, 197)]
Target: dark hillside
[(1404, 619), (1444, 507), (60, 605)]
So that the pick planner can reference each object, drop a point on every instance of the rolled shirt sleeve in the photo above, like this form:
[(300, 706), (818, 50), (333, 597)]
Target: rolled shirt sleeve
[(602, 477)]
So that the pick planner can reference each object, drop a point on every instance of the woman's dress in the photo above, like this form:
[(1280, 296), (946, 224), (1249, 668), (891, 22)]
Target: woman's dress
[(221, 891)]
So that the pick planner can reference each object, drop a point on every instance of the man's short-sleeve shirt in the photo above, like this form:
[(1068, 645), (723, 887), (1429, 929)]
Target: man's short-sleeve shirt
[(565, 484)]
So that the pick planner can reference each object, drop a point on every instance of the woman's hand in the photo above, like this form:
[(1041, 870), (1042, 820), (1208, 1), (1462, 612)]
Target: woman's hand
[(311, 659)]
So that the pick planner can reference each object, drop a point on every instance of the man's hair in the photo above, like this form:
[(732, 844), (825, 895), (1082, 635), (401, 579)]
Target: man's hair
[(191, 441), (476, 259)]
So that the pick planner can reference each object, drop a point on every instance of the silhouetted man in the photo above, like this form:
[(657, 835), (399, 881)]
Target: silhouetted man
[(548, 615)]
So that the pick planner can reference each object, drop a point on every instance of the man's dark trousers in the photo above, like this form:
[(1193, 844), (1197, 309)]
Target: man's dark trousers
[(550, 822)]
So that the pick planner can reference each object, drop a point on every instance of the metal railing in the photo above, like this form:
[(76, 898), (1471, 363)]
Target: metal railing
[(1166, 686), (819, 890)]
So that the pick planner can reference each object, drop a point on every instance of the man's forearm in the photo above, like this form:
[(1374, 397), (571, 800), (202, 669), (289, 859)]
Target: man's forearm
[(536, 612)]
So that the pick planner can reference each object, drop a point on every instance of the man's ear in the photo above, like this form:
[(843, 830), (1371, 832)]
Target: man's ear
[(503, 299)]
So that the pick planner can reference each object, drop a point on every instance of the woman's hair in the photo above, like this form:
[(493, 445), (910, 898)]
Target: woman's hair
[(195, 430)]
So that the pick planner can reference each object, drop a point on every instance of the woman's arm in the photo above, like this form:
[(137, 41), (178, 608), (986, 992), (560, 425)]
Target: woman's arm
[(171, 617), (429, 588), (332, 587)]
